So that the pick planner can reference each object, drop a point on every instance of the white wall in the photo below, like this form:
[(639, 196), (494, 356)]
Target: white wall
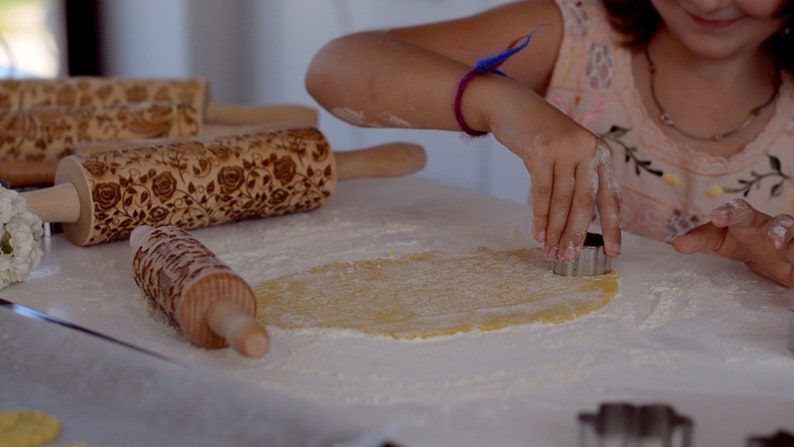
[(257, 51)]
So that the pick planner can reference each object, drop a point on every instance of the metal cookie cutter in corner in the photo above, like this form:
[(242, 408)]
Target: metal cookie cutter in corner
[(624, 424), (592, 261)]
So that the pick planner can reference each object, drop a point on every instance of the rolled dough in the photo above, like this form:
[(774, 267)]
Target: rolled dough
[(27, 428), (431, 294)]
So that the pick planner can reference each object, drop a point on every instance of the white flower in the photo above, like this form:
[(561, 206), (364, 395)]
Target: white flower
[(20, 238)]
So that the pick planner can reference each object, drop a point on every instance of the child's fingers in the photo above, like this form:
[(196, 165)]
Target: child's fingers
[(580, 214), (562, 194), (781, 235), (736, 213), (540, 179), (608, 200), (707, 237)]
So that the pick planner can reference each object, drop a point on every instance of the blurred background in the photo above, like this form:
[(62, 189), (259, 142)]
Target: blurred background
[(251, 52)]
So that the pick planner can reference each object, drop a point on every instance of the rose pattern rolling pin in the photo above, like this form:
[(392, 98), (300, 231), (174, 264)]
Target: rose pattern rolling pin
[(211, 304), (201, 182)]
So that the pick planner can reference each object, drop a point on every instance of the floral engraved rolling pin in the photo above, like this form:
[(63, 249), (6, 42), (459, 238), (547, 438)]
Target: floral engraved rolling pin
[(211, 304), (43, 120), (200, 182)]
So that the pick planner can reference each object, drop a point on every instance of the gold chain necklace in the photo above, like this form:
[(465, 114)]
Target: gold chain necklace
[(665, 117)]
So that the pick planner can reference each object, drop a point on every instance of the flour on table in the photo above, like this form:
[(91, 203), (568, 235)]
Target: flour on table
[(431, 294)]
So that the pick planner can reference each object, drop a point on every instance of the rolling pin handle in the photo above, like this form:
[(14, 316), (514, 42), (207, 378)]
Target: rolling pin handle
[(58, 203), (243, 332), (386, 160)]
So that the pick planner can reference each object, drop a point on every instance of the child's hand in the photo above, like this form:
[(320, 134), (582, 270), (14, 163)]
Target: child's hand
[(571, 172), (765, 244)]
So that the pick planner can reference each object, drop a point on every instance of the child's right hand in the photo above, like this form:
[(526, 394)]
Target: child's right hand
[(408, 77), (571, 170)]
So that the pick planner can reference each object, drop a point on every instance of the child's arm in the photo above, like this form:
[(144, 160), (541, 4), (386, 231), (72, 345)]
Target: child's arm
[(765, 244), (409, 77)]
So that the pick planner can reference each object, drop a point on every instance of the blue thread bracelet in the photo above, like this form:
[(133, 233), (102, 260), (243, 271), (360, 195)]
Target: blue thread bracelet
[(484, 66)]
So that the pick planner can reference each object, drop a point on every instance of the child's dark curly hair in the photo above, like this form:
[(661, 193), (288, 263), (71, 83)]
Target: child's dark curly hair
[(638, 21)]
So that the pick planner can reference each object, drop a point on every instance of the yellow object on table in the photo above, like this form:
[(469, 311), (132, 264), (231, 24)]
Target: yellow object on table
[(432, 294), (27, 428)]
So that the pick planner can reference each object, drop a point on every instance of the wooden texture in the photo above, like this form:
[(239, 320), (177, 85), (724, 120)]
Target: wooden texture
[(50, 133), (385, 160), (198, 182), (202, 182), (28, 173), (211, 304), (59, 203), (43, 119), (286, 115), (84, 91)]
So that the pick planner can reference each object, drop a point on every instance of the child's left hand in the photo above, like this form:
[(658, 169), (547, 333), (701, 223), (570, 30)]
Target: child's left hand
[(765, 244)]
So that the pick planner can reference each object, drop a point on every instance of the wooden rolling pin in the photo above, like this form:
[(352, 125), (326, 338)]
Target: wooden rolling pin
[(42, 120), (197, 182), (90, 91), (51, 133), (212, 305), (109, 92)]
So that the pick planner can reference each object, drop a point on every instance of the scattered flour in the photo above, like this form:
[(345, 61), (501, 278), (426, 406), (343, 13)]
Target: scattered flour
[(590, 354)]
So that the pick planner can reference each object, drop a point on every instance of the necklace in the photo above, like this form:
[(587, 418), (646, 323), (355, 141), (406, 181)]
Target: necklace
[(665, 117)]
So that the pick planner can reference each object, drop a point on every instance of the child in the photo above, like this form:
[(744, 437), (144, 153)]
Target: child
[(694, 98)]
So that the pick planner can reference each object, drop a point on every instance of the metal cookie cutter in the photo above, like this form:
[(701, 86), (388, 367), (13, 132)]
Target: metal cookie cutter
[(627, 425), (592, 261)]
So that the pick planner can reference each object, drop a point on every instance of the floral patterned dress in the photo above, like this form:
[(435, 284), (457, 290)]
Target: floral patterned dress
[(666, 188)]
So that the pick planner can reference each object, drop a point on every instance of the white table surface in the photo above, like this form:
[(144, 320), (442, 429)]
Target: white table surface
[(696, 332)]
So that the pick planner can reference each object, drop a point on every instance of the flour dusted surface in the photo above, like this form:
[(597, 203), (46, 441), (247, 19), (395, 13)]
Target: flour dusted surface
[(698, 332)]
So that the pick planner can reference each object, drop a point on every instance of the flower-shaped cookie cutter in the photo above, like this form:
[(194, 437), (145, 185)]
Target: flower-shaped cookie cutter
[(624, 424), (592, 261)]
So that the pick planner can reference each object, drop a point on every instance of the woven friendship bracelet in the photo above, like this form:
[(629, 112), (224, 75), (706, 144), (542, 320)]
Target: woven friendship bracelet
[(484, 66)]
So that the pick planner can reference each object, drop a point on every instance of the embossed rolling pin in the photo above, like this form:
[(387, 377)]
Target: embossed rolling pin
[(95, 91), (43, 120), (197, 182), (211, 304)]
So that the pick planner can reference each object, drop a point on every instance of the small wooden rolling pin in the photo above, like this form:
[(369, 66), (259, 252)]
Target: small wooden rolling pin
[(211, 304), (102, 197)]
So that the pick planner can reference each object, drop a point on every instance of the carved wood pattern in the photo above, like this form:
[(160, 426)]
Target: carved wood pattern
[(43, 120), (203, 182)]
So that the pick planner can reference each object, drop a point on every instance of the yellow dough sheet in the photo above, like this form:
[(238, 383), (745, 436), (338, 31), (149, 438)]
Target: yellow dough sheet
[(431, 294)]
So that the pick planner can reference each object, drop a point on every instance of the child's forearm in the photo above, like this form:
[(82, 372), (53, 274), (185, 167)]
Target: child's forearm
[(373, 79)]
